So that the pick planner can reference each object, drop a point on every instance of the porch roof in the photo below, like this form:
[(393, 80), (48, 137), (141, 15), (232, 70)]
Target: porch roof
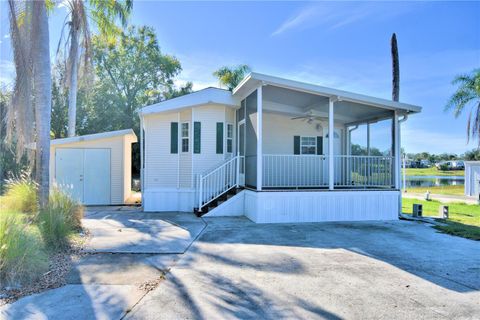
[(202, 97), (254, 80)]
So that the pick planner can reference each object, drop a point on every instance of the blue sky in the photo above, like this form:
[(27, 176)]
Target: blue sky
[(345, 45)]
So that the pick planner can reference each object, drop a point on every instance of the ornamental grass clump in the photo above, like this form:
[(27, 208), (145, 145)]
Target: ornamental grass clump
[(59, 219), (22, 255), (20, 196)]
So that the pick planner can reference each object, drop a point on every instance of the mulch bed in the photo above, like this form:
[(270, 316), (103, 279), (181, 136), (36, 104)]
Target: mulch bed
[(60, 265)]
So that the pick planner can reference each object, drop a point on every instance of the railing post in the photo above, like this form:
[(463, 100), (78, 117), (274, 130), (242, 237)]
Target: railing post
[(200, 191), (237, 178)]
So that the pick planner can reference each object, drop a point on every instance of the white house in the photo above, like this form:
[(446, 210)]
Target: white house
[(472, 178), (265, 151)]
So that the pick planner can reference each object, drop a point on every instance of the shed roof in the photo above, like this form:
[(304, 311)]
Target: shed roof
[(254, 80), (205, 96), (96, 136)]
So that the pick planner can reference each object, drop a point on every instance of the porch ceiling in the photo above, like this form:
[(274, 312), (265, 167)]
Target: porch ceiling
[(296, 103)]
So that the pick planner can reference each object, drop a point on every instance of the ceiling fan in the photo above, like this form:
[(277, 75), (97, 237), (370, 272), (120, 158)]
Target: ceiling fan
[(309, 117)]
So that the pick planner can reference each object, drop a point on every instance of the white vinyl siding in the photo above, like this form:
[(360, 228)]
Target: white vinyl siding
[(161, 167)]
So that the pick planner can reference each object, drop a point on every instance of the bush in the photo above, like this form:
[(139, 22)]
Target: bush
[(59, 219), (22, 255), (21, 195)]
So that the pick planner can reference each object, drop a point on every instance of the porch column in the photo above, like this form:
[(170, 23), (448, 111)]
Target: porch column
[(331, 135), (259, 138), (396, 151)]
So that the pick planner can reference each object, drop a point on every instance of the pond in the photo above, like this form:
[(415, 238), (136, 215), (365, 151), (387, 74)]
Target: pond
[(434, 181)]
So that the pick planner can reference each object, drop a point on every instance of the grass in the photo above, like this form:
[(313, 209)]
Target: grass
[(457, 190), (28, 235), (22, 253), (463, 221), (433, 171)]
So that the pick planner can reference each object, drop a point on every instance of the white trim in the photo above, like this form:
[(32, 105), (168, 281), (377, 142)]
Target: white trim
[(95, 136), (202, 97), (331, 140), (192, 182), (178, 150), (182, 137), (259, 138), (254, 79)]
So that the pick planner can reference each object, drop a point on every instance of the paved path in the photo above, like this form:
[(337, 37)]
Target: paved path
[(128, 248), (393, 270), (446, 198)]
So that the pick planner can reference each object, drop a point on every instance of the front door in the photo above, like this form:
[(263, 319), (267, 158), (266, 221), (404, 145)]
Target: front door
[(241, 152)]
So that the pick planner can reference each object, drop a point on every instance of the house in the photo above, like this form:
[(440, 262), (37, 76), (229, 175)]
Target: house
[(265, 151), (95, 169), (472, 179)]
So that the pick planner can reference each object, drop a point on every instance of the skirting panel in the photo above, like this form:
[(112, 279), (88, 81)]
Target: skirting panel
[(275, 207), (169, 200), (230, 208)]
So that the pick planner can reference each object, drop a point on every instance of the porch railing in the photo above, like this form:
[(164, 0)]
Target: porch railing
[(310, 171), (218, 181)]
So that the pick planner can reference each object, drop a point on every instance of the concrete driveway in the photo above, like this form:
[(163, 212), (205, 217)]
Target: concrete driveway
[(394, 270)]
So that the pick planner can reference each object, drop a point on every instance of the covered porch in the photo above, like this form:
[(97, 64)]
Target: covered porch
[(283, 139)]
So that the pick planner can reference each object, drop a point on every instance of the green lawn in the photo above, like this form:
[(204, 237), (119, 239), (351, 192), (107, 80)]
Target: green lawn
[(433, 171), (457, 190), (464, 219)]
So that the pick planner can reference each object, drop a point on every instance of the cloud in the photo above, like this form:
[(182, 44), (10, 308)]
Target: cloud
[(7, 72), (337, 15)]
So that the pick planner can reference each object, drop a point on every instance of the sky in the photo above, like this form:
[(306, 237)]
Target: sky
[(344, 45)]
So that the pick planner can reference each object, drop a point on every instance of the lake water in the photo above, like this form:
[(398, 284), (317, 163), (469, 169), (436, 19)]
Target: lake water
[(431, 181)]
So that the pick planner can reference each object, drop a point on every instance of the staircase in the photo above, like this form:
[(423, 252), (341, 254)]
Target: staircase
[(217, 186)]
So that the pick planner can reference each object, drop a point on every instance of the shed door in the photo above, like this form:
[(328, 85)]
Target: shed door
[(69, 172), (96, 186), (84, 174)]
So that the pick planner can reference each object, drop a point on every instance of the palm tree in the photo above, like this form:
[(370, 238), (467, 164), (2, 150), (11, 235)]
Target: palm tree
[(104, 14), (395, 69), (231, 76), (32, 92), (467, 94)]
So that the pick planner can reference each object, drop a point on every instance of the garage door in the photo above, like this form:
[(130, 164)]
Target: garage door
[(84, 174)]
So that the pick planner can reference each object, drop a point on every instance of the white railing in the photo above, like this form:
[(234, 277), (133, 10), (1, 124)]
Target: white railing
[(213, 184), (294, 171), (364, 171), (307, 171)]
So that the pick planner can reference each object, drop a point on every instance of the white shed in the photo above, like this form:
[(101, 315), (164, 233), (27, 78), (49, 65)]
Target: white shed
[(472, 178), (95, 168)]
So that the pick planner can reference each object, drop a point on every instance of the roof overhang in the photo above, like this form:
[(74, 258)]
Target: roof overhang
[(202, 97), (96, 136), (255, 80)]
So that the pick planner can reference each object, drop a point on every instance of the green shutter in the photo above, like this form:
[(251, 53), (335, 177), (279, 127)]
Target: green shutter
[(173, 137), (220, 137), (296, 145), (197, 134), (319, 145)]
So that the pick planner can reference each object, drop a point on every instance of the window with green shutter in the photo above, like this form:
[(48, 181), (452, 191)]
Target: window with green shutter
[(219, 137), (197, 135), (319, 145), (296, 145), (173, 137)]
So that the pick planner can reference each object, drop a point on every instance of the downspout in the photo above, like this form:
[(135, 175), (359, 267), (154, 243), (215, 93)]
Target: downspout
[(142, 166)]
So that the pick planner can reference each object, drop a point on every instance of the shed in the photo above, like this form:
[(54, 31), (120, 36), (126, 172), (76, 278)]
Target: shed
[(472, 178), (96, 168)]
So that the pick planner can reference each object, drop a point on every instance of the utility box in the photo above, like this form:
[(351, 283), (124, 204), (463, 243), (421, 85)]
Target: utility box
[(417, 210), (443, 212)]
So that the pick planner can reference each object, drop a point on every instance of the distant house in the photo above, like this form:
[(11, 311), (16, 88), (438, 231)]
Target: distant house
[(266, 151)]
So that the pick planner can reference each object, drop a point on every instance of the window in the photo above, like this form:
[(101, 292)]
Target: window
[(229, 137), (185, 136), (308, 145)]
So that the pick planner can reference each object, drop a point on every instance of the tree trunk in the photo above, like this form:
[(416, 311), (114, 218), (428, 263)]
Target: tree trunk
[(43, 98), (395, 70), (73, 83)]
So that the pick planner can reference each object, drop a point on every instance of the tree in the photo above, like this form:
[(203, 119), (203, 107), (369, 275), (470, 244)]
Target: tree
[(467, 94), (395, 69), (231, 76), (32, 92), (103, 13)]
